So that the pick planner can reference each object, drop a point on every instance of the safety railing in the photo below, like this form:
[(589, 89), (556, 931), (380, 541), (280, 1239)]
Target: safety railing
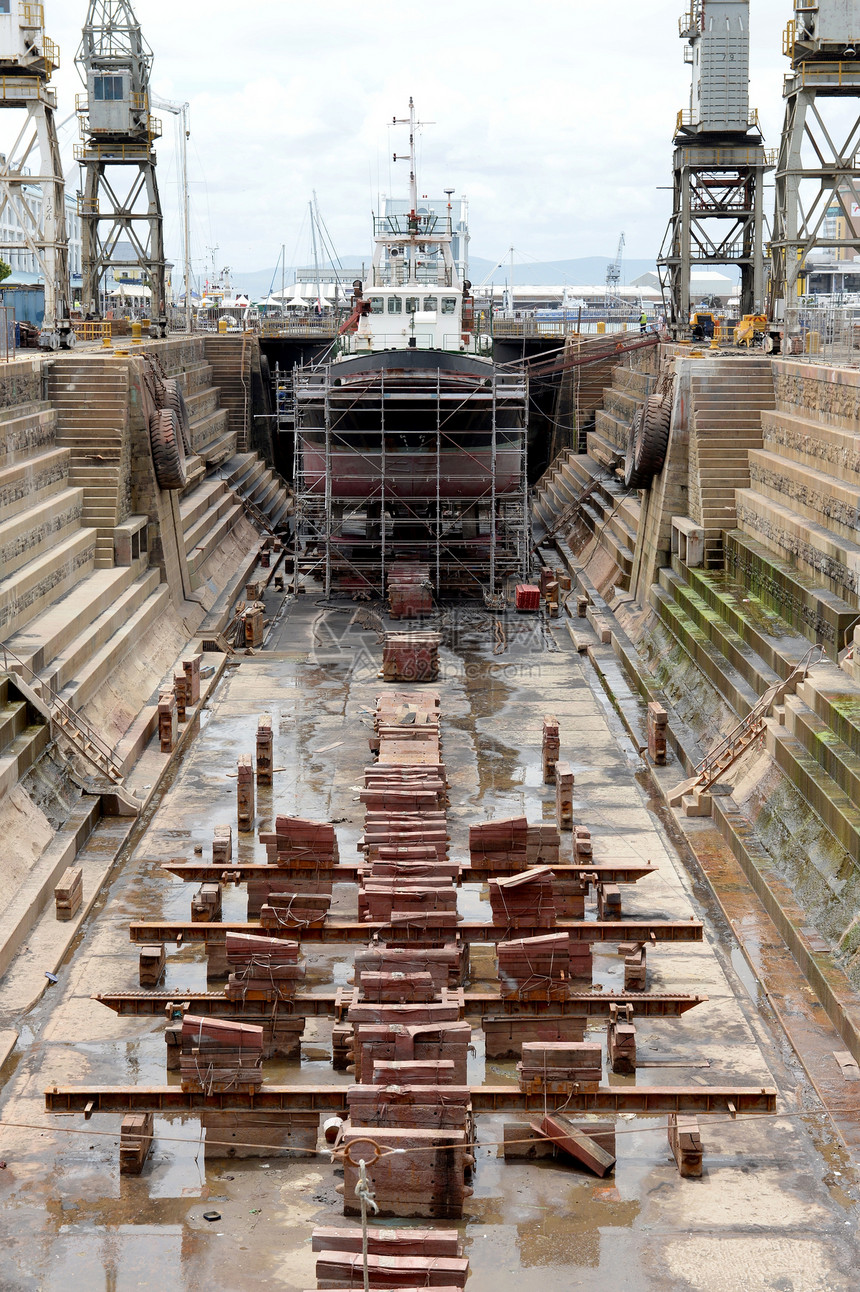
[(26, 88), (131, 150), (31, 15), (100, 751), (820, 74), (313, 326), (689, 117)]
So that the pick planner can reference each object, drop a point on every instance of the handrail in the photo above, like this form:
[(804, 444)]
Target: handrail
[(57, 702), (754, 719)]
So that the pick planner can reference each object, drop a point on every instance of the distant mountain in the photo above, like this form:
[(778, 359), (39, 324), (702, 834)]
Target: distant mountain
[(584, 271)]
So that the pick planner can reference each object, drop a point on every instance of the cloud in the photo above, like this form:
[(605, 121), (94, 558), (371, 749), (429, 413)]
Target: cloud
[(555, 118)]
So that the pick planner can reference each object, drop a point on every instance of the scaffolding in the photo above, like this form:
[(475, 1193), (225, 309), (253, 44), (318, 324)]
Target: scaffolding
[(416, 486)]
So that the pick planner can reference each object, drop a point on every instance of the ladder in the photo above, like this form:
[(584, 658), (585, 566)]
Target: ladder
[(80, 734), (749, 730)]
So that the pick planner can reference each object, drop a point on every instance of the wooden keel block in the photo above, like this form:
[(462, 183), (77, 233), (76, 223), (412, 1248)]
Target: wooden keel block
[(265, 747), (550, 747), (564, 781), (259, 1134), (658, 723), (168, 721), (222, 845), (388, 1242), (135, 1141), (245, 793), (191, 668), (151, 964), (69, 893), (685, 1141)]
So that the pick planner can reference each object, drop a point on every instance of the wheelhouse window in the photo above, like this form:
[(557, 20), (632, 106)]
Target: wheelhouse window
[(376, 306), (431, 304), (395, 305), (107, 88), (449, 304), (412, 304)]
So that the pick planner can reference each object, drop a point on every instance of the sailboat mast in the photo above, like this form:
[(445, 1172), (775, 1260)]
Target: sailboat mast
[(316, 258)]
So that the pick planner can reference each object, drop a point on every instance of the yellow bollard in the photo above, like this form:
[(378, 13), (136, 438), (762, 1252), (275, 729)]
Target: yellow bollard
[(136, 334), (222, 325), (601, 327)]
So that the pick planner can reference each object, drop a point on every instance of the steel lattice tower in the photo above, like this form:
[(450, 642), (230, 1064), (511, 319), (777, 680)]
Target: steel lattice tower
[(32, 189), (718, 164), (119, 132), (817, 174)]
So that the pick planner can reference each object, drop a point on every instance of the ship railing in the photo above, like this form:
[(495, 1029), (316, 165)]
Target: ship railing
[(397, 274), (314, 325), (428, 226), (90, 330)]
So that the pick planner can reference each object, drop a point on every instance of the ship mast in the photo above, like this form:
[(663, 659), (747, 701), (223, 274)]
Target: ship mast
[(413, 179)]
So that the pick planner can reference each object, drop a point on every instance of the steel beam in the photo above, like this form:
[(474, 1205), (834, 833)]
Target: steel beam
[(618, 872), (181, 931), (485, 1099), (329, 1004)]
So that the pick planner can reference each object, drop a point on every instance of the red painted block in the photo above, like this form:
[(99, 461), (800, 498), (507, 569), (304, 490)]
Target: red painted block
[(527, 596)]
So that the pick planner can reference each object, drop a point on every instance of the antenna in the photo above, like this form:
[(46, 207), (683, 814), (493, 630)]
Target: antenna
[(410, 157)]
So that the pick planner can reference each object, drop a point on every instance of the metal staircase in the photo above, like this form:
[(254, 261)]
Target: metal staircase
[(80, 734)]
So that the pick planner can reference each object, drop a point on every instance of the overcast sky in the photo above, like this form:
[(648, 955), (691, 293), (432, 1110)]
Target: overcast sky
[(554, 118)]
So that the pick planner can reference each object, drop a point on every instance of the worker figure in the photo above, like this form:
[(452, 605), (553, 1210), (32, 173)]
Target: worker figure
[(643, 322)]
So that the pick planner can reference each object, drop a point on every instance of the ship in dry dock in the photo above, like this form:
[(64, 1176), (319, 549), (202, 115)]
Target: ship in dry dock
[(410, 439)]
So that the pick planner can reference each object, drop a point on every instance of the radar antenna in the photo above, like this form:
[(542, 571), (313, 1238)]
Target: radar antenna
[(122, 222)]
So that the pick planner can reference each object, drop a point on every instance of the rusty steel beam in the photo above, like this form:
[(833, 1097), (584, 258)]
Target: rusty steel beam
[(619, 872), (329, 1004), (485, 1099), (182, 931)]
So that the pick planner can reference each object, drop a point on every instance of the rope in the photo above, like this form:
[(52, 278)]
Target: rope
[(364, 1193)]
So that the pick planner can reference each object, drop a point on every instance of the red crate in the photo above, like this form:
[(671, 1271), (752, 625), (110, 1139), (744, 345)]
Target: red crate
[(528, 596)]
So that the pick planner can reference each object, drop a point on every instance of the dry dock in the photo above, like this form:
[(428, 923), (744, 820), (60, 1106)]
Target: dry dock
[(776, 1206)]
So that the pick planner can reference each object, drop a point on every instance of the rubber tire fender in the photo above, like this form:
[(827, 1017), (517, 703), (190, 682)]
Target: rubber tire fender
[(174, 399), (167, 457), (647, 443)]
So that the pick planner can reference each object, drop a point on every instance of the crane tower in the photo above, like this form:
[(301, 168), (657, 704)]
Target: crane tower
[(32, 190), (120, 202), (817, 195), (718, 164)]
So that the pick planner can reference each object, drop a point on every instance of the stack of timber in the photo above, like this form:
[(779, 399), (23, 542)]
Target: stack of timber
[(410, 592), (411, 657), (559, 1067), (537, 968), (220, 1055), (299, 842), (263, 969), (525, 900), (397, 1258), (512, 844)]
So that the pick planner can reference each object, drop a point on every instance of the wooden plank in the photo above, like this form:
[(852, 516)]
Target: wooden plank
[(581, 1147)]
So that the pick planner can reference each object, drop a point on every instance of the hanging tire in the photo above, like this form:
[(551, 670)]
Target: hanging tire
[(175, 401), (167, 456), (647, 442)]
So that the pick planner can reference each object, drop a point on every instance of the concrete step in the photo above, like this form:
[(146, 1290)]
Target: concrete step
[(220, 523), (67, 664), (26, 483), (823, 794), (832, 754), (51, 634), (21, 754), (80, 689), (734, 689), (13, 720), (813, 493), (40, 529), (834, 450), (198, 503), (817, 549), (25, 431)]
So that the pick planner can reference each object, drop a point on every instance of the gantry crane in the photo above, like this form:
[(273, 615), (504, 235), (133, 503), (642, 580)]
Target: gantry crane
[(613, 274), (119, 131), (719, 164), (817, 192), (32, 189)]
